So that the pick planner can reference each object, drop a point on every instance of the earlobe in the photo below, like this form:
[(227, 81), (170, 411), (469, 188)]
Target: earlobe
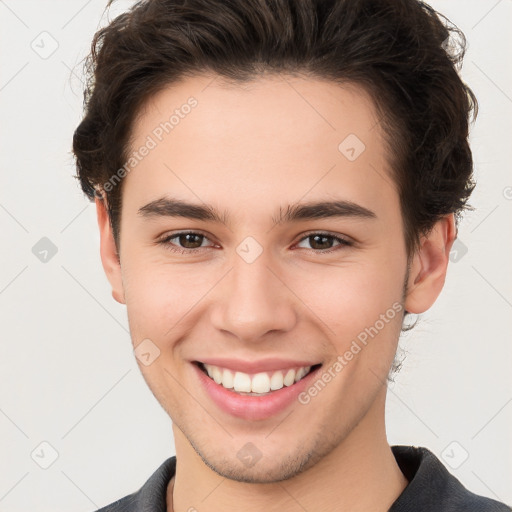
[(429, 266), (108, 251)]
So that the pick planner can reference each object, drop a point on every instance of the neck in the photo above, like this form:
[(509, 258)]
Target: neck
[(359, 474)]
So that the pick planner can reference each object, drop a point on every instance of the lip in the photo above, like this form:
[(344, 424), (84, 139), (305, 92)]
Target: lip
[(251, 367), (253, 408)]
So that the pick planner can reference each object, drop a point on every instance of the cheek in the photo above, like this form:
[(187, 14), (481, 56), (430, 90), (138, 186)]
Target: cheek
[(346, 296), (158, 296), (350, 298)]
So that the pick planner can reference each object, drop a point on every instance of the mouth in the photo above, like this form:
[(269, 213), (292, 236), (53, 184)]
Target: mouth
[(255, 384)]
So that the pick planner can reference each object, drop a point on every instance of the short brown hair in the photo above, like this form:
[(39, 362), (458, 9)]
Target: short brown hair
[(402, 52)]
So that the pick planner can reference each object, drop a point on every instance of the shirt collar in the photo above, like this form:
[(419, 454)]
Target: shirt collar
[(431, 487)]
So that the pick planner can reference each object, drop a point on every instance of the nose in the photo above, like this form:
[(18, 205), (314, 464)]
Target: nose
[(254, 301)]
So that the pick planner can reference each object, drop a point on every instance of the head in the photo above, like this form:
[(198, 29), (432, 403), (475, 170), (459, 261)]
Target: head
[(257, 115)]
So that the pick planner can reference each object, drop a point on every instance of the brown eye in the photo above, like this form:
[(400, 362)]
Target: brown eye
[(190, 240), (323, 242), (185, 241)]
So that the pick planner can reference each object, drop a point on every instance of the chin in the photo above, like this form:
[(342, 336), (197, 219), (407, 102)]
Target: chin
[(267, 469), (263, 472)]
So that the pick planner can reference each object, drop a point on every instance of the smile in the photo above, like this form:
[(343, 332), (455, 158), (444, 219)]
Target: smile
[(255, 384)]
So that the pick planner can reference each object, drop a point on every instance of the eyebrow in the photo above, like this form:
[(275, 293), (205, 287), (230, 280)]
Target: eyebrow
[(170, 207)]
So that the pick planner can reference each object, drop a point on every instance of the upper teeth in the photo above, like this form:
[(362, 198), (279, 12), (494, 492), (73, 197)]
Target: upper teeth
[(258, 383)]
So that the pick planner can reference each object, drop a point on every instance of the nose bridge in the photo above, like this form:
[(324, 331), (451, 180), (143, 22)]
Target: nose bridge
[(253, 279), (253, 299)]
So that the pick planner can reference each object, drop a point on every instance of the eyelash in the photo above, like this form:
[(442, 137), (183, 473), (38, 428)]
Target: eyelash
[(172, 247)]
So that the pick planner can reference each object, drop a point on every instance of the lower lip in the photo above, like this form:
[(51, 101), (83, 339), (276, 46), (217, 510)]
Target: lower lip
[(250, 407)]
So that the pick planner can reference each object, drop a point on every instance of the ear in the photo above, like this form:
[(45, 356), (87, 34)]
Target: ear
[(109, 257), (429, 265)]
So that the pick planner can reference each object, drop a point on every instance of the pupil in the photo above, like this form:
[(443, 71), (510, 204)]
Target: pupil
[(316, 237), (184, 239)]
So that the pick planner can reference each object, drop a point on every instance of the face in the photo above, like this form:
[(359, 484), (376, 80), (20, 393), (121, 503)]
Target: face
[(267, 283)]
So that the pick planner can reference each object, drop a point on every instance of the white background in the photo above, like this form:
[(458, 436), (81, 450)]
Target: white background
[(67, 372)]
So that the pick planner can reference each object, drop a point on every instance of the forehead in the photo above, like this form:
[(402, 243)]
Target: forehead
[(272, 137), (258, 110)]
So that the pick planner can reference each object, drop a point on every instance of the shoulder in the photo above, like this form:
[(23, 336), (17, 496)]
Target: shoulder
[(151, 496), (126, 504), (433, 488)]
